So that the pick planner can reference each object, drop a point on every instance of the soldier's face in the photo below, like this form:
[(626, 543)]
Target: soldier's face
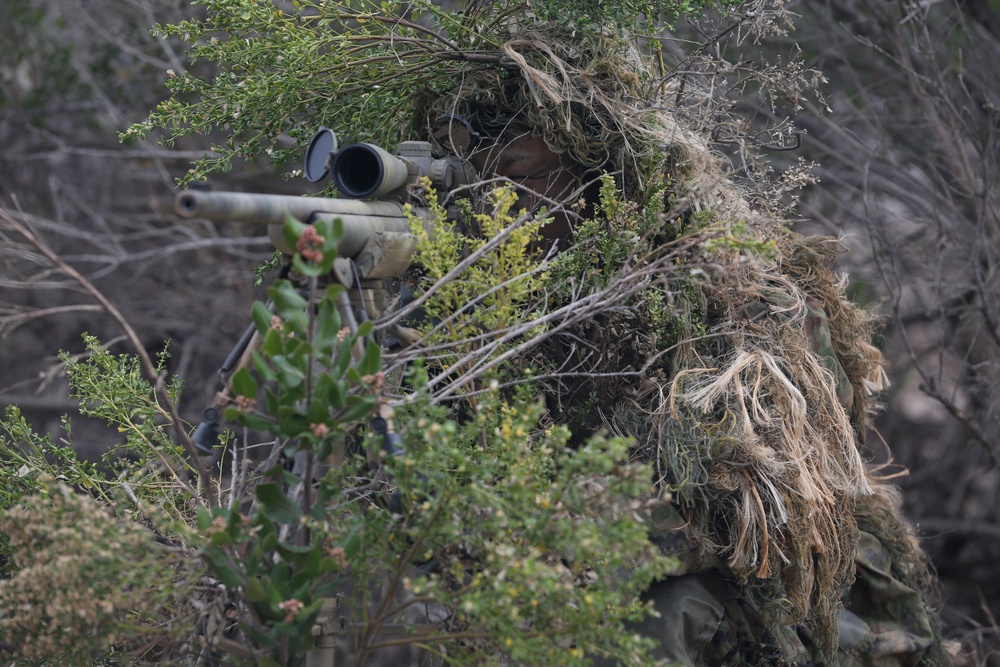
[(545, 178)]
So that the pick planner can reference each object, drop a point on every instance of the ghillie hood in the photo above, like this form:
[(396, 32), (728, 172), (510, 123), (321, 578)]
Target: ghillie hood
[(587, 95)]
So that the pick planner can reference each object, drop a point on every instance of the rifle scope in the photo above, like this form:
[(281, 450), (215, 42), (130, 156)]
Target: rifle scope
[(366, 171), (363, 171)]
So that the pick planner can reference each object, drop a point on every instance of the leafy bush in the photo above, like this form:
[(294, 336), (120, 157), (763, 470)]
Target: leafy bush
[(486, 535), (356, 67)]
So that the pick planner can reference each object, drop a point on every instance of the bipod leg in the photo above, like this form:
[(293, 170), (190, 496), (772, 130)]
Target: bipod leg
[(206, 435)]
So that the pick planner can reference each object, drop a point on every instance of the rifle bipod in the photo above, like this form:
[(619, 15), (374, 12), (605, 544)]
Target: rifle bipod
[(361, 296), (206, 435)]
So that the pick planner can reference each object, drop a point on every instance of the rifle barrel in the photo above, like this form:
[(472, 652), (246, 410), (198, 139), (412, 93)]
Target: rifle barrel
[(362, 220), (272, 209)]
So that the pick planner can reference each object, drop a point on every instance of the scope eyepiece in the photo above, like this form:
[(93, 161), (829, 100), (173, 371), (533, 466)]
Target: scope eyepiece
[(362, 171)]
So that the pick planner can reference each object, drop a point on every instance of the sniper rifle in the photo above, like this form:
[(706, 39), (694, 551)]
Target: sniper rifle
[(376, 243)]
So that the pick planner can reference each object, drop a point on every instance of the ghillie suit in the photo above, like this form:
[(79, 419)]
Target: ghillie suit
[(745, 376)]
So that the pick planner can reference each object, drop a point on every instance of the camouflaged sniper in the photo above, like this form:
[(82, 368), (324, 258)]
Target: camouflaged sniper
[(790, 551)]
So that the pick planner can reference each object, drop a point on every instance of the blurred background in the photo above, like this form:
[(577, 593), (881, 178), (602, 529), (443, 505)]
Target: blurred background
[(903, 139)]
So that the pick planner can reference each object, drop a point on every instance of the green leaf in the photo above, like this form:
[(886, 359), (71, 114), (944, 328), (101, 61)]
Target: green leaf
[(365, 328), (307, 269), (276, 504), (289, 375), (279, 582), (332, 292), (357, 407), (343, 359), (274, 343), (303, 579), (372, 360), (327, 329), (263, 368), (323, 449), (292, 422), (333, 392), (290, 552), (331, 229), (243, 383), (318, 412), (262, 316), (312, 608), (351, 544), (263, 639), (252, 421), (204, 519), (227, 573), (220, 538), (326, 565), (271, 402), (269, 541), (289, 304), (254, 591), (300, 353), (292, 446), (283, 629), (312, 562), (292, 230)]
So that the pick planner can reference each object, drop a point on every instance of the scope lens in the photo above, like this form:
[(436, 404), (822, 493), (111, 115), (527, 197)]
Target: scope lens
[(358, 171)]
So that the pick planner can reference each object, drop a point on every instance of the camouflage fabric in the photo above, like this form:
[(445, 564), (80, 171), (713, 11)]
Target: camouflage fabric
[(884, 622), (703, 621), (669, 531), (816, 326), (817, 329)]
